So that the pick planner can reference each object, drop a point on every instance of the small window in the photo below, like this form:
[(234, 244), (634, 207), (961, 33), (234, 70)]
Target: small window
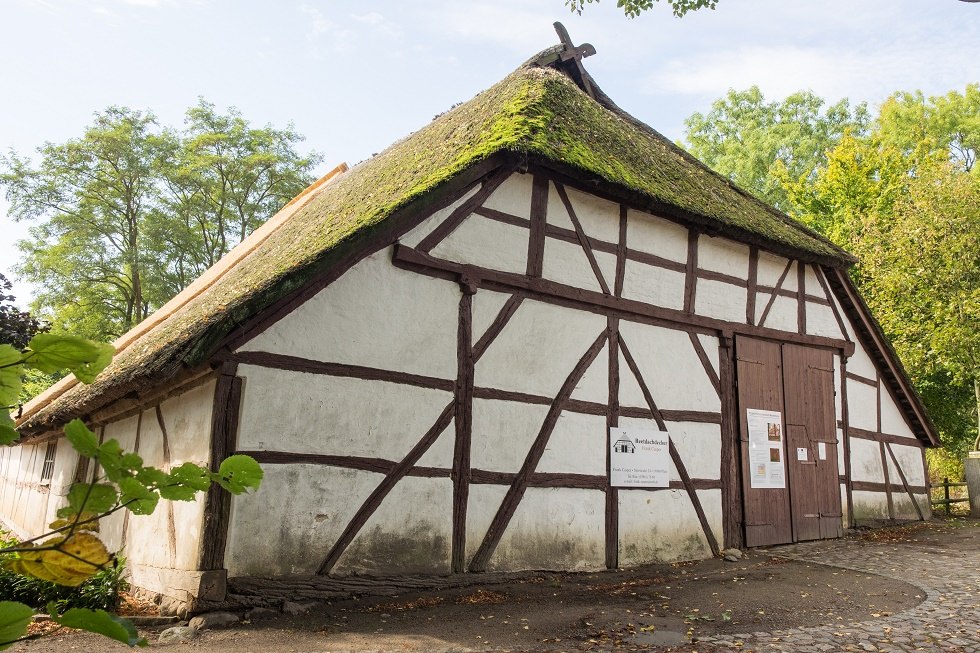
[(47, 470), (81, 470)]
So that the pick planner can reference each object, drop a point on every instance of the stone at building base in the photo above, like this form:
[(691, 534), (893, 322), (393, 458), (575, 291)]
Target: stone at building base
[(971, 467), (213, 620), (177, 591), (177, 634)]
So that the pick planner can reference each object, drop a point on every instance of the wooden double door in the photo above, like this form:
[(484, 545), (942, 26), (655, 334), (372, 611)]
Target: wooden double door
[(788, 442)]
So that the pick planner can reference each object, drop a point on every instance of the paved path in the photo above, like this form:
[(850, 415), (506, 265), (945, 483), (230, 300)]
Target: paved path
[(946, 566)]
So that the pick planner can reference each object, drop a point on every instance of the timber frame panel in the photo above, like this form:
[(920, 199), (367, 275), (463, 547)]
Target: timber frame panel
[(519, 288)]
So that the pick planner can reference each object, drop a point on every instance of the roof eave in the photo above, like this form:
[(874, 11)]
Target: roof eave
[(706, 224), (884, 355)]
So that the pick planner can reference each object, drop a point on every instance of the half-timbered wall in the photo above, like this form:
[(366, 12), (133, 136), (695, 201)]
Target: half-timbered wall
[(157, 547), (444, 405), (450, 411), (28, 504), (887, 477)]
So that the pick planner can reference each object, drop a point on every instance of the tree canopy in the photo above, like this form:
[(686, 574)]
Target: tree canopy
[(761, 145), (128, 214), (634, 8), (17, 327), (902, 192)]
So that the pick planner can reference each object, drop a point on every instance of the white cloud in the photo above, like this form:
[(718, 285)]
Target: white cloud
[(318, 22), (778, 70), (105, 12), (830, 70), (379, 24), (371, 18), (324, 32), (509, 25)]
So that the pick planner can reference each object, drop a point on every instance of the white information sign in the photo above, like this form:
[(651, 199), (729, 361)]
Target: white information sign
[(822, 450), (801, 454), (767, 464), (639, 457)]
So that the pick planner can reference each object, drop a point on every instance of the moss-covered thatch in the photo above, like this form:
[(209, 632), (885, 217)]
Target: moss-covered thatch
[(535, 114)]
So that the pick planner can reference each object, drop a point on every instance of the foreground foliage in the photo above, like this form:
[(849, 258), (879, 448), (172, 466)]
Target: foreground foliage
[(71, 553), (99, 592)]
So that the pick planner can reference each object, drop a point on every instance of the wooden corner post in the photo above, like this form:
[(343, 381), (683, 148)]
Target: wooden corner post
[(224, 432)]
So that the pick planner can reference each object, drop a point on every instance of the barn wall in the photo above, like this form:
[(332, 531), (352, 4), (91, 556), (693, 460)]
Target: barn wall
[(28, 505), (888, 473), (157, 547), (357, 403)]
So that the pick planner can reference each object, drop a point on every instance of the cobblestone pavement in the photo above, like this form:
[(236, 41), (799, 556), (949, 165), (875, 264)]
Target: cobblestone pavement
[(945, 564)]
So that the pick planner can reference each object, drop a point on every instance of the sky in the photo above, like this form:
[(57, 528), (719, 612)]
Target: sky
[(355, 76)]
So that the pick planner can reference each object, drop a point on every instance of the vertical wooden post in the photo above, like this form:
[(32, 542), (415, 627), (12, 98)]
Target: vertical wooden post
[(845, 424), (731, 497), (691, 275), (217, 502), (752, 290), (801, 296), (539, 225), (884, 460), (612, 420), (463, 420), (946, 493)]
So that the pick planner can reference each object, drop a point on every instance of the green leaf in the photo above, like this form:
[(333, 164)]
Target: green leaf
[(238, 474), (10, 375), (50, 353), (14, 619), (86, 497), (81, 438), (86, 372), (110, 457), (139, 499), (8, 433), (100, 622), (151, 476), (184, 482)]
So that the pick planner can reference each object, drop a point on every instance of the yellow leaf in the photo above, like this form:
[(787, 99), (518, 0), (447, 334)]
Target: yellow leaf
[(70, 562), (90, 523)]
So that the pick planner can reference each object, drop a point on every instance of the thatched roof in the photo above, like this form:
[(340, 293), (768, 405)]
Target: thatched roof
[(535, 116)]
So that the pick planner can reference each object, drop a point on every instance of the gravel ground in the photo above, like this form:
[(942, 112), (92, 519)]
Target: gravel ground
[(877, 590)]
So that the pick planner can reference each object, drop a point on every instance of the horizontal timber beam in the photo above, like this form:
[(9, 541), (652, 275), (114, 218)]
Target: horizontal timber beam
[(639, 256), (344, 370), (871, 486), (597, 302), (864, 434), (477, 476)]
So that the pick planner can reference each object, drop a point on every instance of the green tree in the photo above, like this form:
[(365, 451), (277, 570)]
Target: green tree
[(921, 270), (634, 8), (90, 199), (948, 125), (17, 327), (223, 178), (763, 145), (899, 191), (904, 198), (129, 214)]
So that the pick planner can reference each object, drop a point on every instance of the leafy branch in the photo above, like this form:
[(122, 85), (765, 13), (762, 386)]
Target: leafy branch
[(71, 551)]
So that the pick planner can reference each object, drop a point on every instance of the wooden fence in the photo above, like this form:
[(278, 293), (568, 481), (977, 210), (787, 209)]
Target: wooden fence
[(946, 501)]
